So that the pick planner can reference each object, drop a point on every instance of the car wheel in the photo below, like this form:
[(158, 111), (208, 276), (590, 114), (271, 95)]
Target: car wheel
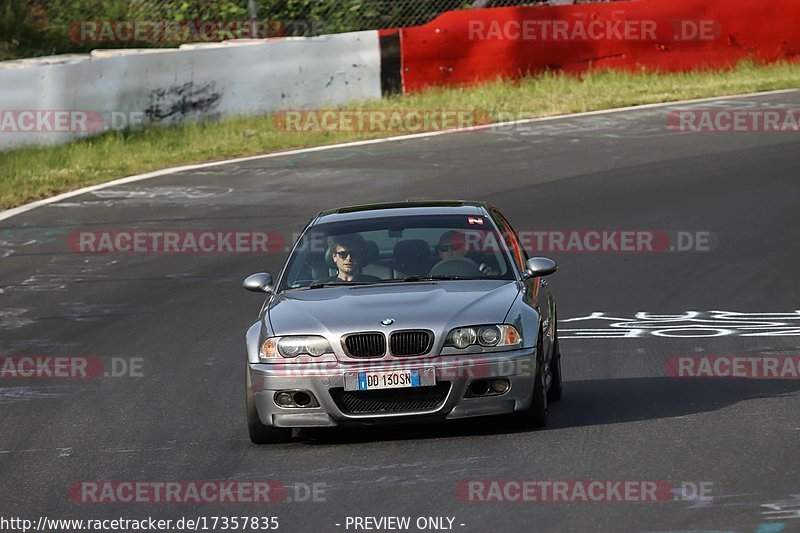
[(536, 416), (555, 390), (259, 433)]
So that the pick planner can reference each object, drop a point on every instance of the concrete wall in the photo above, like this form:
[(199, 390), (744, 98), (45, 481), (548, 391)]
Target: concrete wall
[(120, 87)]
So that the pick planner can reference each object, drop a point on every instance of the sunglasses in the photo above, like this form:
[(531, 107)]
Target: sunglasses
[(347, 253), (444, 247)]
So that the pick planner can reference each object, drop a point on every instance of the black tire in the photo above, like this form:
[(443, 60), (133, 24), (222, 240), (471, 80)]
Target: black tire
[(536, 415), (259, 433), (556, 388)]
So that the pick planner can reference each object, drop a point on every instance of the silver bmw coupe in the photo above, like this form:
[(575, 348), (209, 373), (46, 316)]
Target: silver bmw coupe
[(402, 312)]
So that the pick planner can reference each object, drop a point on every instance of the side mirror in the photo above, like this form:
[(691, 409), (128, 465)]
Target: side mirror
[(539, 266), (261, 282)]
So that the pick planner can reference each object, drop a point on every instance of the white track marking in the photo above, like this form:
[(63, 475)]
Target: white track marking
[(8, 213)]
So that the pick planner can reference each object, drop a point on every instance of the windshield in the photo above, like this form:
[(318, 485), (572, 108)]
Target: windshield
[(396, 249)]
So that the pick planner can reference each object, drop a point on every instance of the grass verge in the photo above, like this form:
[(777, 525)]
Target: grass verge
[(28, 174)]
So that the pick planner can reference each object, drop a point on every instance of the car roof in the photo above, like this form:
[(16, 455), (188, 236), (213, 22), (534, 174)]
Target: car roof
[(400, 209)]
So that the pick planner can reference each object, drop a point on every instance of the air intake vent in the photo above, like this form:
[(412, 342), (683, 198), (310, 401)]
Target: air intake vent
[(365, 345), (391, 401), (409, 343)]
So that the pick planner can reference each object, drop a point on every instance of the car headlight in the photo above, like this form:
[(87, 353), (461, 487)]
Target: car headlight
[(489, 336), (463, 337), (277, 348)]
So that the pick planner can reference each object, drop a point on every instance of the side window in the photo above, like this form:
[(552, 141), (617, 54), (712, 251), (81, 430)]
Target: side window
[(515, 235), (517, 251)]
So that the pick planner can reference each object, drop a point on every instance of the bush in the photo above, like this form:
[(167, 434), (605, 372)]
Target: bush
[(42, 27)]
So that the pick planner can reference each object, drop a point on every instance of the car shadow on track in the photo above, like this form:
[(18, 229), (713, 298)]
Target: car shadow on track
[(585, 403), (613, 401)]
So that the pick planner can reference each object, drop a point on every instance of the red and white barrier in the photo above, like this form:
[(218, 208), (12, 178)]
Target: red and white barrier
[(470, 46)]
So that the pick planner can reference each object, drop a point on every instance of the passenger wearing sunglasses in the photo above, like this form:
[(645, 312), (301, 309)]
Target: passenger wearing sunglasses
[(347, 253)]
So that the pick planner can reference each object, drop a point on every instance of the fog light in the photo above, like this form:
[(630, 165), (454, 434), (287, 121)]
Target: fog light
[(284, 399), (302, 399), (500, 385), (479, 388)]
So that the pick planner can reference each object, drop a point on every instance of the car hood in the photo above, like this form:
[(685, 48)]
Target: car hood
[(438, 306)]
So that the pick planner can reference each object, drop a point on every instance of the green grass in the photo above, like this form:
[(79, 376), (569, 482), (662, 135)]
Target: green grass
[(32, 173)]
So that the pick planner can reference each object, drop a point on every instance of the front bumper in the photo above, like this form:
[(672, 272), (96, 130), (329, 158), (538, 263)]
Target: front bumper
[(517, 366)]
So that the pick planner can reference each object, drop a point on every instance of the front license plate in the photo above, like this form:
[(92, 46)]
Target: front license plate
[(390, 379)]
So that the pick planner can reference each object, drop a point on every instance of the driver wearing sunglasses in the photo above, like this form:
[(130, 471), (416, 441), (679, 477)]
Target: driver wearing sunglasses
[(452, 245), (452, 250), (347, 253)]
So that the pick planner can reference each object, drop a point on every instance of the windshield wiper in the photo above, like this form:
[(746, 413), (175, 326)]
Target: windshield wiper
[(392, 280), (338, 284), (422, 278), (435, 278)]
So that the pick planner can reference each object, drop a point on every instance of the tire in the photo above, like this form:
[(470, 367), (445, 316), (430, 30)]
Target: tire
[(556, 387), (536, 415), (259, 433)]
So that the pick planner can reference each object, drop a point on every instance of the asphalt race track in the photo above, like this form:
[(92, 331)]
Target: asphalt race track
[(180, 319)]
